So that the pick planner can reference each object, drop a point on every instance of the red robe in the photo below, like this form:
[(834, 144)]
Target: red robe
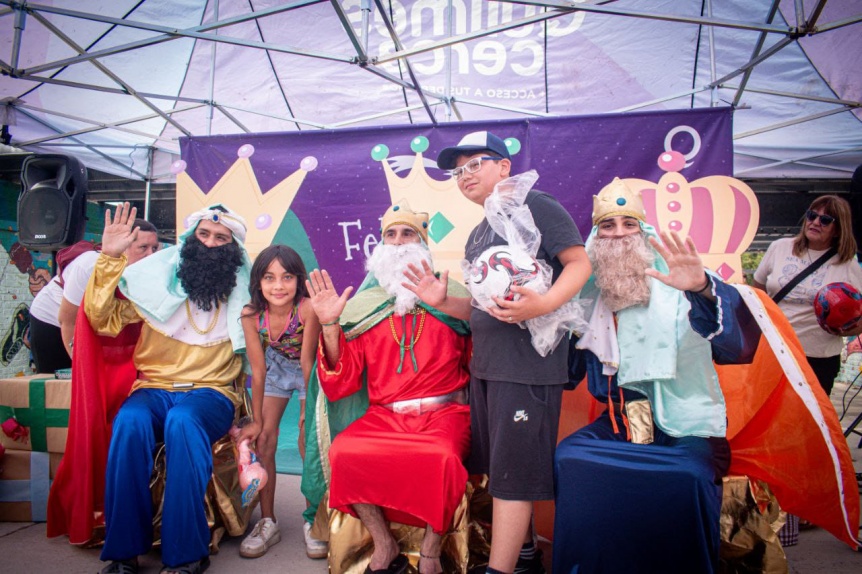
[(102, 375), (409, 465)]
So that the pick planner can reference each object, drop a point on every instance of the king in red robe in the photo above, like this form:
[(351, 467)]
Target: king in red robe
[(402, 459)]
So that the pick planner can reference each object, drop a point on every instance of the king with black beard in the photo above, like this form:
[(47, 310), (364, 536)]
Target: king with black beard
[(185, 371), (208, 274)]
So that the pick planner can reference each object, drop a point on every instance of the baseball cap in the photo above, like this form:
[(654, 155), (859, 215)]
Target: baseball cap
[(470, 144)]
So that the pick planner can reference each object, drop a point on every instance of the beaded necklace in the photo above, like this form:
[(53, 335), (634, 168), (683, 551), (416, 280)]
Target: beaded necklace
[(414, 338)]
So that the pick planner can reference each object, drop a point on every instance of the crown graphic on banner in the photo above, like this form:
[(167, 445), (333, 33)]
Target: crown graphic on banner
[(451, 215), (720, 213), (239, 189)]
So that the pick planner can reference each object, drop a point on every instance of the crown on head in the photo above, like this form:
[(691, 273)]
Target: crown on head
[(617, 198), (401, 214), (263, 211)]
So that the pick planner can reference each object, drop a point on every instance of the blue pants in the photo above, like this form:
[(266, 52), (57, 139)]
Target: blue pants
[(188, 422)]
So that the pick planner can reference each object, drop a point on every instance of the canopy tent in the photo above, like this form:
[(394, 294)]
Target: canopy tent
[(117, 82)]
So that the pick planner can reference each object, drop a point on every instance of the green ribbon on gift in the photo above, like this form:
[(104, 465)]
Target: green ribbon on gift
[(38, 417)]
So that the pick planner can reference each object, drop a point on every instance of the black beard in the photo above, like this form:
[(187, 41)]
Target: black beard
[(208, 274)]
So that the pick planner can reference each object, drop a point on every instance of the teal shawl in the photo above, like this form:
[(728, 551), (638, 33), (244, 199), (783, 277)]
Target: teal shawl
[(153, 286), (663, 358)]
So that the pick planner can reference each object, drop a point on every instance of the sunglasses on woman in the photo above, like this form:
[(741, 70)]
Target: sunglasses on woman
[(824, 219)]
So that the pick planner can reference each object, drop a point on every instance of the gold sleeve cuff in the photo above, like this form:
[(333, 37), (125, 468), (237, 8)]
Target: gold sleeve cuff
[(107, 314), (323, 364)]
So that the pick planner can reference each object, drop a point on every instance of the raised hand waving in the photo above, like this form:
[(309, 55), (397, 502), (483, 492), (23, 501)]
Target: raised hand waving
[(119, 231)]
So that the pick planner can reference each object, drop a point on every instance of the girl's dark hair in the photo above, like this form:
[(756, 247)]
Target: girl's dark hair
[(292, 263)]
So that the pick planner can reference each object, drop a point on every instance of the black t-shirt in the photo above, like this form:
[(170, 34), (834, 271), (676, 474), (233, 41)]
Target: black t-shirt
[(503, 351)]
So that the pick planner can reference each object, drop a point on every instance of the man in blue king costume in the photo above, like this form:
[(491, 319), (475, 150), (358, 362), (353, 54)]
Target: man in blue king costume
[(188, 357), (639, 490)]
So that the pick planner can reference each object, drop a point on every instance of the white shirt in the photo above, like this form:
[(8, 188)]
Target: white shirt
[(46, 304), (76, 275), (779, 266)]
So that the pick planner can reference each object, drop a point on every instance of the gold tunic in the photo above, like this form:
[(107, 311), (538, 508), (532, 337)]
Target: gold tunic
[(162, 362)]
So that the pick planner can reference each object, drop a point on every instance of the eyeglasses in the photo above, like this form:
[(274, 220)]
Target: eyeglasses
[(471, 166), (824, 219)]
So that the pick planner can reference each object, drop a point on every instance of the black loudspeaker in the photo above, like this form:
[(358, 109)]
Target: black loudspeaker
[(52, 206)]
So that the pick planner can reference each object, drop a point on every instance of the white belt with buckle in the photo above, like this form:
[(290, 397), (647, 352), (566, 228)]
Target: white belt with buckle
[(427, 404)]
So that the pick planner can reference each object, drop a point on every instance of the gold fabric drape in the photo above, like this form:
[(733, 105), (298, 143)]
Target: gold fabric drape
[(750, 520), (465, 546)]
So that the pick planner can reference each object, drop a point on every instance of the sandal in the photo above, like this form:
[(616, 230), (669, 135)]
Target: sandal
[(196, 567), (121, 567)]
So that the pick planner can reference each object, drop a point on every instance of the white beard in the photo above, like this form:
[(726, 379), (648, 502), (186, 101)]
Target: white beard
[(619, 264), (388, 264)]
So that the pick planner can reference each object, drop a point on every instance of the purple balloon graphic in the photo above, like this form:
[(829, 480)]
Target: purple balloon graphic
[(245, 151), (263, 221), (178, 166), (308, 163)]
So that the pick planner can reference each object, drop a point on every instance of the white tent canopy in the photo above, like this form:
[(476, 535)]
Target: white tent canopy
[(117, 82)]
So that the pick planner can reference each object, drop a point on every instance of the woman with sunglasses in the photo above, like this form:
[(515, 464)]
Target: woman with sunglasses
[(826, 225)]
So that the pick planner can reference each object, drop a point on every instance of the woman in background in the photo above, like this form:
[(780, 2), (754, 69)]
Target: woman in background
[(826, 225)]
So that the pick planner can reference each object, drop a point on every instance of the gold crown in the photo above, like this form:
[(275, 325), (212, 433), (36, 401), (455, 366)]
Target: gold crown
[(239, 190), (617, 198), (451, 215), (401, 214)]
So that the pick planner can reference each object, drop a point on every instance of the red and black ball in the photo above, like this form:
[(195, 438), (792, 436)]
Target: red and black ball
[(838, 307)]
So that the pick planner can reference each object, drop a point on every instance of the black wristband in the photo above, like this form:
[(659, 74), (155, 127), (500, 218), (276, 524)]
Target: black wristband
[(705, 287)]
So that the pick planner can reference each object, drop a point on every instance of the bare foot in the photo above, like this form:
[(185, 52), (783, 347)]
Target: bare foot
[(428, 565), (384, 555)]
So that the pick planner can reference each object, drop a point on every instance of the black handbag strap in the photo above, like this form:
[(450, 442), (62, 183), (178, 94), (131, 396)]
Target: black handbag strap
[(803, 274)]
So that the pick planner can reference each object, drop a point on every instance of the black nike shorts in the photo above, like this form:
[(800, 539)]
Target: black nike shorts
[(514, 436)]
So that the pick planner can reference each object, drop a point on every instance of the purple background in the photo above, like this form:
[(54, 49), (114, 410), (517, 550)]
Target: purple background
[(574, 157)]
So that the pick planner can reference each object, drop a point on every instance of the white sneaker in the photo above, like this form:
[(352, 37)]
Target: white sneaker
[(264, 535), (314, 548)]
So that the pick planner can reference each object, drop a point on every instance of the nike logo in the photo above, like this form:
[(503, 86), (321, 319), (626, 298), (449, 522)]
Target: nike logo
[(520, 416)]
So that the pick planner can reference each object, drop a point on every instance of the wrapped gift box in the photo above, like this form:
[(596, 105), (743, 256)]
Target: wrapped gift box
[(40, 403), (25, 480)]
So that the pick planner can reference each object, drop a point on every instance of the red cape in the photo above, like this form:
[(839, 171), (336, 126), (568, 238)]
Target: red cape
[(783, 429), (102, 376)]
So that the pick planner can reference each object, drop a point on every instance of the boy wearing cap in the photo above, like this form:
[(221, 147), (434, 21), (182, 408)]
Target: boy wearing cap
[(515, 394)]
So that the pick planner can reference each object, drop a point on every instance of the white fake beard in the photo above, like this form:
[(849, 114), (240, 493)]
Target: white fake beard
[(619, 264), (388, 264)]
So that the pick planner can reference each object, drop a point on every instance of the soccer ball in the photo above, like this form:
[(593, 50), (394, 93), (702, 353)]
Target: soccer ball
[(838, 307), (500, 267)]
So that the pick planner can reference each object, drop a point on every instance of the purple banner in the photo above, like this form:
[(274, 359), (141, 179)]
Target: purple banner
[(338, 183)]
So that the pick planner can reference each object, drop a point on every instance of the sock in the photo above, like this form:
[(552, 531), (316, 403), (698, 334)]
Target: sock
[(490, 570), (528, 551)]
